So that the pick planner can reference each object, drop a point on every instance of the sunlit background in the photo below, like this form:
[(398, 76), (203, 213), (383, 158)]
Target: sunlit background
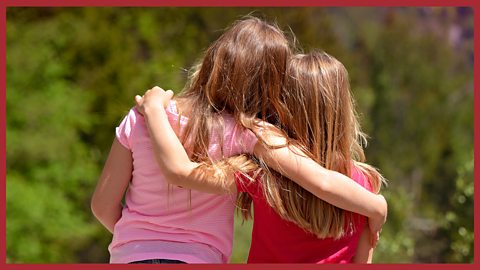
[(72, 74)]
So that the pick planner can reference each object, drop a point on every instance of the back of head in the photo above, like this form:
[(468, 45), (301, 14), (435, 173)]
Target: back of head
[(241, 73), (326, 128), (317, 92)]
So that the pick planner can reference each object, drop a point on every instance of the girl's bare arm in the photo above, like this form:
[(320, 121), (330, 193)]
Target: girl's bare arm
[(364, 251), (171, 157), (333, 187), (111, 186), (330, 186)]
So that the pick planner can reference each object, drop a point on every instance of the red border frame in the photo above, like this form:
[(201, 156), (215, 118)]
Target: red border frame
[(238, 3), (252, 3)]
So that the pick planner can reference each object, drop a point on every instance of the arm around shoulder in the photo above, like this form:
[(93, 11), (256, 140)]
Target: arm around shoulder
[(170, 154), (330, 186)]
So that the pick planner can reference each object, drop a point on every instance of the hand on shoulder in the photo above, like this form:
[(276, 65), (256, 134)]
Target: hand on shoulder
[(153, 99)]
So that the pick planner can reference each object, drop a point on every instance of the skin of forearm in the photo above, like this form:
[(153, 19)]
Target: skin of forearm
[(332, 187), (108, 217), (174, 162), (110, 223), (111, 186), (364, 252), (175, 165), (351, 196)]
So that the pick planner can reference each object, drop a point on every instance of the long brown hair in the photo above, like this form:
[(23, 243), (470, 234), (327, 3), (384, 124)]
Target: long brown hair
[(241, 73), (323, 123)]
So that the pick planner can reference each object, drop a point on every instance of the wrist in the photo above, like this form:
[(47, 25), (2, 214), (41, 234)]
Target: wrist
[(154, 111)]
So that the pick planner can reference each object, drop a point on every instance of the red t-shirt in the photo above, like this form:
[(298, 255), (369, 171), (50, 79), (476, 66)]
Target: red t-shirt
[(275, 240)]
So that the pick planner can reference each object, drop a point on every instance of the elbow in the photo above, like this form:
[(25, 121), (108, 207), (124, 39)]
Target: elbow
[(172, 179), (324, 183), (97, 210), (106, 215), (175, 174), (100, 209), (382, 208)]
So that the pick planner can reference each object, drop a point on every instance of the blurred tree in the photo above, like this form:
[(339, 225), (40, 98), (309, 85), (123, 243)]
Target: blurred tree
[(457, 224), (49, 168), (414, 84)]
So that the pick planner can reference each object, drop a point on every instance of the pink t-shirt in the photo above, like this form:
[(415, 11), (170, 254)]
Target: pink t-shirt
[(275, 240), (159, 221)]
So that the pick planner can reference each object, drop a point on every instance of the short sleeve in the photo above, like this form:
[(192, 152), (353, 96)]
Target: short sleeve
[(124, 131), (359, 176), (244, 141)]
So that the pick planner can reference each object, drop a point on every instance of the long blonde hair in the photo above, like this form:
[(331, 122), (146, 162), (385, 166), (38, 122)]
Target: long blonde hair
[(322, 122)]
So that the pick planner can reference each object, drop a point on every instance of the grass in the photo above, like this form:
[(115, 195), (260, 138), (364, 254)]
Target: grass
[(241, 240)]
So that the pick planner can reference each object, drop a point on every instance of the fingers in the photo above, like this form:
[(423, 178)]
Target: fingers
[(153, 89), (157, 89), (139, 106), (153, 97), (139, 100), (169, 95)]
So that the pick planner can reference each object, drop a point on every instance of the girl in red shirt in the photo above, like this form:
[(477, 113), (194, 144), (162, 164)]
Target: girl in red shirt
[(291, 225)]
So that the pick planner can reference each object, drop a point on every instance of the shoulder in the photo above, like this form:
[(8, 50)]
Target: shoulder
[(359, 176), (132, 116), (174, 113), (125, 129)]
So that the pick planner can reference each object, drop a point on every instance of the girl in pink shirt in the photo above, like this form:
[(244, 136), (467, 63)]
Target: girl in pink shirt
[(240, 79), (167, 223), (291, 224)]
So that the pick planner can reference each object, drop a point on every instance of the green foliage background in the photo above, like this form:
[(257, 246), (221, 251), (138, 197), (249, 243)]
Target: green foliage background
[(72, 74)]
